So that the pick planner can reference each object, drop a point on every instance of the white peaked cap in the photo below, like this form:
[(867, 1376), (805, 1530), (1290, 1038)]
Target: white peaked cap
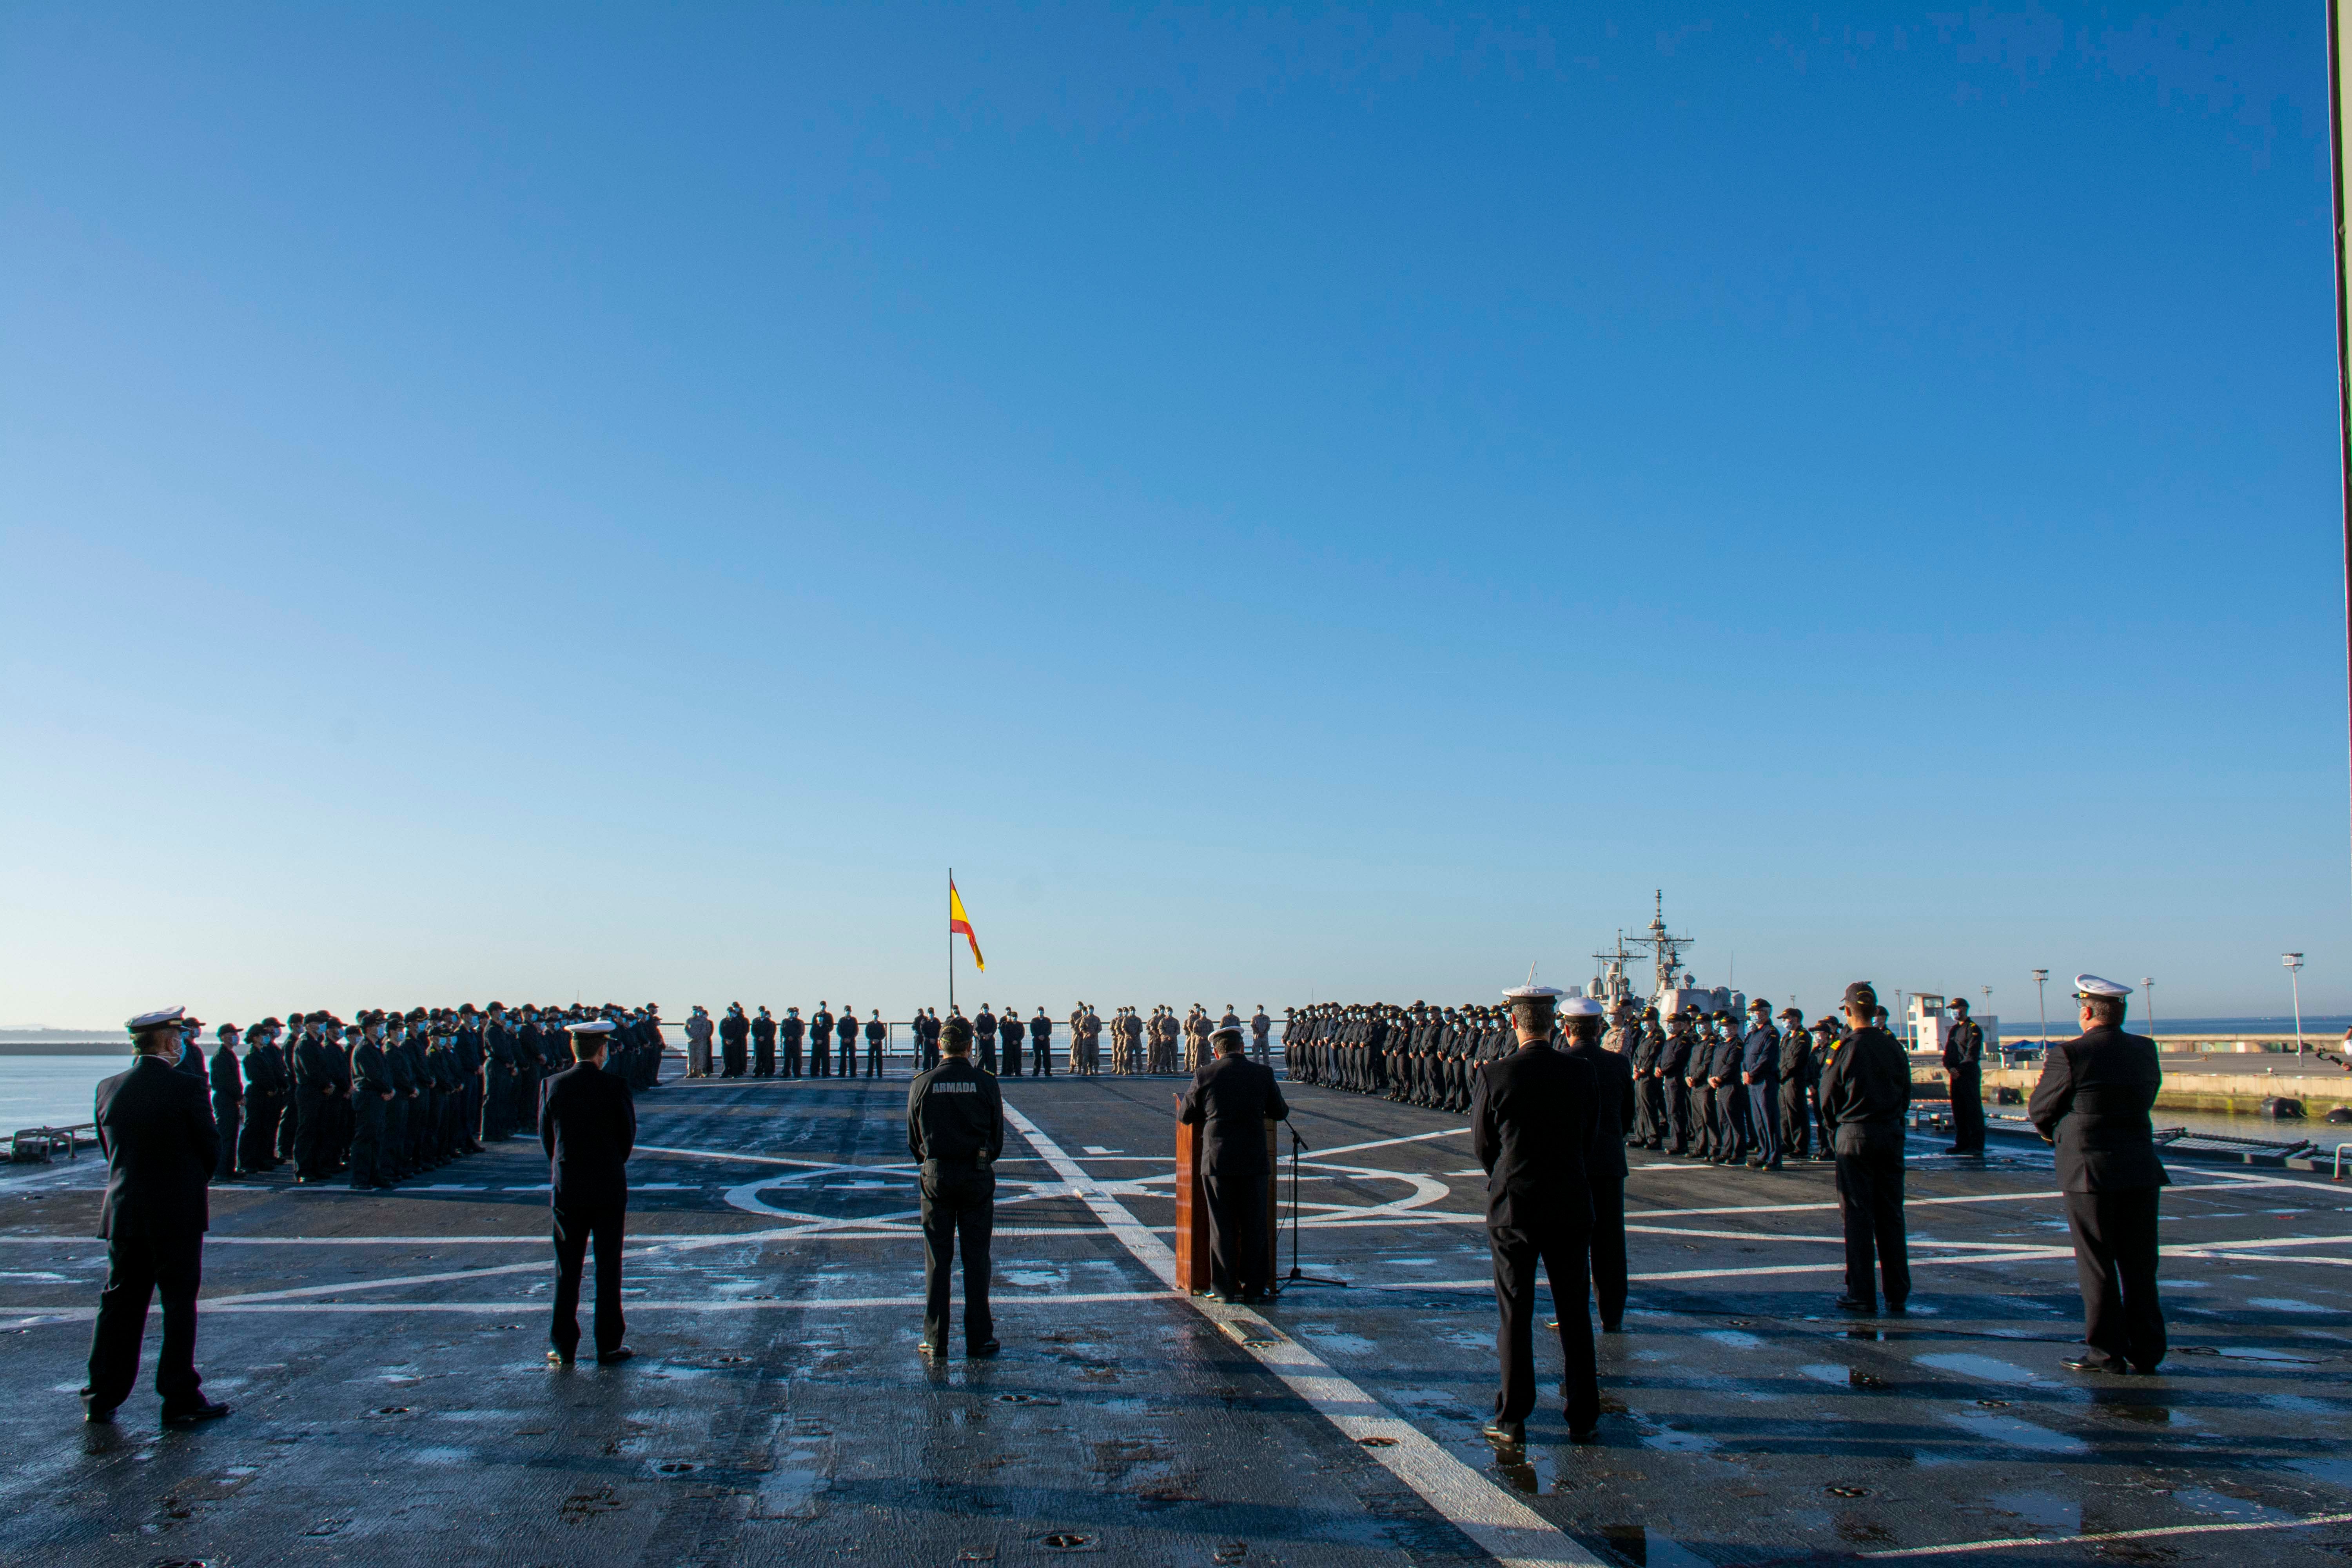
[(593, 1026), (1579, 1007), (2092, 986), (1523, 993), (159, 1017)]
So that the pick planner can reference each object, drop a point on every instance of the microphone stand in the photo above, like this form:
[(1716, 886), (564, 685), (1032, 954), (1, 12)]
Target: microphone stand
[(1295, 1277)]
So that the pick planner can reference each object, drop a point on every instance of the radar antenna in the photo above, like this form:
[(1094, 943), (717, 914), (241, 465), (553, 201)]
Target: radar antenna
[(1664, 947)]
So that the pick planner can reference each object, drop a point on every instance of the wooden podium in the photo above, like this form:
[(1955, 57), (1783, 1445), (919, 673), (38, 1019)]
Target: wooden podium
[(1192, 1272)]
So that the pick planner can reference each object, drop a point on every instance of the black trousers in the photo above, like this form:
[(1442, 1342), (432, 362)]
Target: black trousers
[(791, 1059), (368, 1168), (1870, 1200), (1763, 1122), (2115, 1261), (1967, 1109), (1608, 1245), (226, 1118), (136, 1269), (312, 1134), (732, 1058), (1241, 1261), (1796, 1122), (821, 1057), (1012, 1058), (287, 1124), (874, 1059), (1041, 1058), (1561, 1253), (575, 1228), (763, 1058), (257, 1146), (1678, 1116), (958, 1209)]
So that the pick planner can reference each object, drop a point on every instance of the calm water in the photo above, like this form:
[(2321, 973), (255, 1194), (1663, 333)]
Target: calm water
[(51, 1091)]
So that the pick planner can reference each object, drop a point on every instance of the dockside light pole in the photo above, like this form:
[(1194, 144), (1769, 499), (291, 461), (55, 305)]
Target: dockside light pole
[(2293, 962), (2041, 1002), (2149, 986)]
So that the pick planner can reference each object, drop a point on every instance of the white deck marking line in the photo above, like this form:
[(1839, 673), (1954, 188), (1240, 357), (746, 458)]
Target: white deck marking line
[(2110, 1535), (902, 1166), (1500, 1525), (28, 1317), (2038, 1193), (1389, 1142)]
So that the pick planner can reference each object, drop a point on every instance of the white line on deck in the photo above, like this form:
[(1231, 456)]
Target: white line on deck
[(1503, 1525), (2111, 1535)]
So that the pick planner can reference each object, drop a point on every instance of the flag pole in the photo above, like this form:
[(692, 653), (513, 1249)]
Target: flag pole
[(950, 949)]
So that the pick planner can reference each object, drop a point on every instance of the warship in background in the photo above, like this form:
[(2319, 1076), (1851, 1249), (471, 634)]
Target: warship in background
[(1926, 1020)]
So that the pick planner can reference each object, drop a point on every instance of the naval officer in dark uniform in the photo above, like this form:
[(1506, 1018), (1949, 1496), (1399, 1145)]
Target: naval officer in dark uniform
[(1604, 1164), (955, 1127), (1532, 1118), (588, 1125), (161, 1147), (1964, 1069), (1232, 1101), (2093, 1102), (1866, 1090)]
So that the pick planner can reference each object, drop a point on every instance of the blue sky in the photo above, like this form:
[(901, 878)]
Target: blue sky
[(519, 501)]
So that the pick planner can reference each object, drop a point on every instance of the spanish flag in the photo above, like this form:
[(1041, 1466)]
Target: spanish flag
[(959, 922)]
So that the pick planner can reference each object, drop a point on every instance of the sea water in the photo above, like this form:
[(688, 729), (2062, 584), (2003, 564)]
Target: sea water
[(52, 1091)]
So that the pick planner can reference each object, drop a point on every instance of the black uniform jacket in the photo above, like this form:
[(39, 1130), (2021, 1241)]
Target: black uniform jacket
[(155, 1128), (1232, 1100), (227, 1077), (2092, 1101), (1532, 1118), (955, 1114), (1964, 1046), (733, 1028), (588, 1124), (1865, 1089), (792, 1030), (1613, 1108)]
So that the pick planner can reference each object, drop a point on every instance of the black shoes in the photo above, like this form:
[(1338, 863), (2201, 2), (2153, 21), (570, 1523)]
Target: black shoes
[(927, 1348), (96, 1414), (189, 1414), (559, 1358), (615, 1356), (1512, 1433), (2093, 1362), (1855, 1304), (982, 1350), (1585, 1433)]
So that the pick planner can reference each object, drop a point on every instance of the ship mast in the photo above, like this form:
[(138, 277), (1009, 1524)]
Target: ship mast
[(1664, 947)]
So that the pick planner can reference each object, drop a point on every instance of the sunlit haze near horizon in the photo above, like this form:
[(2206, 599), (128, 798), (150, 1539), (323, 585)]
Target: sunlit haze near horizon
[(521, 502)]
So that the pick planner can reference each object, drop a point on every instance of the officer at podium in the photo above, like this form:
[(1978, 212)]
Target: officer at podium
[(1230, 1101)]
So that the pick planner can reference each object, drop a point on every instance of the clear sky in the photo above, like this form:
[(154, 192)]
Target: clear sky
[(517, 501)]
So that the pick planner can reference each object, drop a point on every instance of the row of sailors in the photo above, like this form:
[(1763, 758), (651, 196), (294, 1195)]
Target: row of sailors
[(1705, 1087), (1421, 1054), (392, 1094), (761, 1045), (749, 1045)]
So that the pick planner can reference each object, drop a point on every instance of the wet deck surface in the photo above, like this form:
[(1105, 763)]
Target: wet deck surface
[(385, 1355)]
